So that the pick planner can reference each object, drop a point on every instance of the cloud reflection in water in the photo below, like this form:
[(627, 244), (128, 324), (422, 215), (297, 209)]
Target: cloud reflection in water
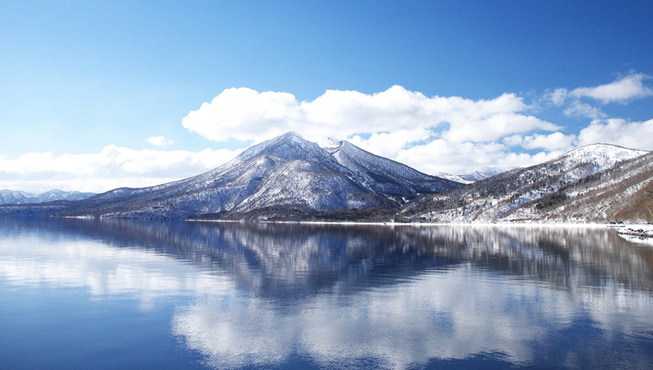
[(339, 295)]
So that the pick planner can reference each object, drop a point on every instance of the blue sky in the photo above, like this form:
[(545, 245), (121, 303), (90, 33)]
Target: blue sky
[(445, 86)]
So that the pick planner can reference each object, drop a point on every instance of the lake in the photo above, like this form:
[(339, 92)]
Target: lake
[(119, 294)]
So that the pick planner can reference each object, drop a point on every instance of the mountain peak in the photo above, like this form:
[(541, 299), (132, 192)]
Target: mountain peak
[(290, 135), (604, 147), (288, 146), (604, 154)]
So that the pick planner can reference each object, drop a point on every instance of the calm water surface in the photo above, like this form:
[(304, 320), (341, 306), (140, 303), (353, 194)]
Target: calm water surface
[(88, 294)]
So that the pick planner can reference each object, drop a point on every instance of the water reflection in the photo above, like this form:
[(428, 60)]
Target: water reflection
[(79, 256), (345, 295)]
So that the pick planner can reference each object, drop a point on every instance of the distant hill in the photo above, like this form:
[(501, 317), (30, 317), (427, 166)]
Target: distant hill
[(481, 174), (472, 177), (622, 193), (21, 197)]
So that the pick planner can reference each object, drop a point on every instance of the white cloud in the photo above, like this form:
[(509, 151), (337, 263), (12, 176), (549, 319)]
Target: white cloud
[(578, 109), (112, 167), (557, 96), (388, 144), (433, 134), (551, 142), (623, 90), (245, 114), (514, 140), (636, 135), (159, 141), (495, 127), (441, 155)]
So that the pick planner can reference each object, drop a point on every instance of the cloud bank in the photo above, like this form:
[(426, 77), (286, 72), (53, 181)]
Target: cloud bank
[(424, 132), (433, 134), (636, 135), (625, 89), (245, 114), (111, 168)]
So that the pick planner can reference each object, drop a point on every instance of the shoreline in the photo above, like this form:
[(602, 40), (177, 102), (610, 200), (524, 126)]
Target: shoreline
[(471, 224), (637, 230), (637, 233)]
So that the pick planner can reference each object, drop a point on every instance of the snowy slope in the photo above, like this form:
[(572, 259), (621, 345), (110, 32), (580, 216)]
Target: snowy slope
[(623, 193), (497, 197), (16, 197), (385, 176)]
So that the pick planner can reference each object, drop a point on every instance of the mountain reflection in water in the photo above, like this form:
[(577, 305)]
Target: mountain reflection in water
[(334, 295)]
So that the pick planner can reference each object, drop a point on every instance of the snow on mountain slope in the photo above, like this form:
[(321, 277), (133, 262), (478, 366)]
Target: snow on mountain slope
[(385, 176), (21, 197), (621, 193), (497, 197), (591, 159), (288, 146), (286, 171), (307, 184), (15, 197)]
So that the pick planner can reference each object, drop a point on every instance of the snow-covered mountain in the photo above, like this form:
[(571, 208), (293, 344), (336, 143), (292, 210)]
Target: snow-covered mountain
[(497, 197), (282, 176), (621, 193), (21, 197)]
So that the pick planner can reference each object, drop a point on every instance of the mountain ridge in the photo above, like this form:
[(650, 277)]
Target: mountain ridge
[(290, 178), (623, 192), (496, 198), (23, 197)]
